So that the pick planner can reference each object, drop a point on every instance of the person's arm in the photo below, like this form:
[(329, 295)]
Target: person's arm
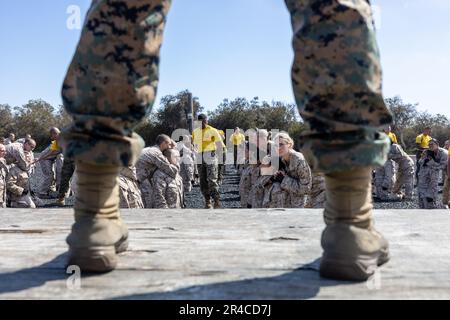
[(165, 166)]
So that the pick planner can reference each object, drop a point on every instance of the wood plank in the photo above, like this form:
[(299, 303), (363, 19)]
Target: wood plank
[(222, 254)]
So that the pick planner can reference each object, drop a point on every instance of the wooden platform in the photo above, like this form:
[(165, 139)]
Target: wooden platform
[(223, 254)]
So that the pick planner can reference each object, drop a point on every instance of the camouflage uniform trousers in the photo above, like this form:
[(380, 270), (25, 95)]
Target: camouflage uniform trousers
[(245, 186), (67, 171), (208, 172), (3, 174), (222, 167), (51, 174), (112, 81), (405, 178), (316, 197), (384, 181), (256, 194), (17, 182), (187, 174), (129, 193), (146, 193), (427, 187)]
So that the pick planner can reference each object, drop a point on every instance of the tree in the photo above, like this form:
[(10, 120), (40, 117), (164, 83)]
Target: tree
[(404, 117), (6, 120)]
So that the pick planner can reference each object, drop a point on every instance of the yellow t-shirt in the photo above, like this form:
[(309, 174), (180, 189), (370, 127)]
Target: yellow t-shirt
[(423, 140), (54, 146), (393, 137), (237, 139), (206, 139)]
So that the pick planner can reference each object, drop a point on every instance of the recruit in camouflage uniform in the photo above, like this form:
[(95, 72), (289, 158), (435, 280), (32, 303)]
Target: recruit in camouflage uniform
[(384, 181), (429, 170), (3, 174), (149, 161), (405, 172), (15, 155), (187, 166), (167, 191), (67, 172), (316, 197), (296, 184), (18, 186), (256, 195), (130, 195), (51, 174), (112, 80)]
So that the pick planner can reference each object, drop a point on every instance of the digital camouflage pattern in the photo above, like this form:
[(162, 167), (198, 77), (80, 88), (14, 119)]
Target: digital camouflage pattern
[(336, 78), (3, 174), (187, 166), (405, 172), (112, 81), (17, 181), (429, 171), (67, 172), (384, 181), (256, 195), (129, 193), (297, 182), (51, 174), (167, 191), (316, 197), (149, 161), (245, 185), (209, 174), (16, 155)]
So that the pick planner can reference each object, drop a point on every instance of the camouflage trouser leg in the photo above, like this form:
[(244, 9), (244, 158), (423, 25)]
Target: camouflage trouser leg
[(48, 177), (208, 180), (405, 178), (67, 171), (59, 162), (337, 84), (112, 81)]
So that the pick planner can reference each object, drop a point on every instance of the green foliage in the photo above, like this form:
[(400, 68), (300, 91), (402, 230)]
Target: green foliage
[(409, 122), (37, 116)]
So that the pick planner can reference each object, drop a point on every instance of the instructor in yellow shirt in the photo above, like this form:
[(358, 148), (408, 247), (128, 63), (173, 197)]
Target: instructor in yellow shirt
[(237, 139), (422, 141), (208, 142)]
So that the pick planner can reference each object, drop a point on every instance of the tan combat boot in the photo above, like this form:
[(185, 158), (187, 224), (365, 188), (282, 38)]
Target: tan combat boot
[(352, 247), (98, 233)]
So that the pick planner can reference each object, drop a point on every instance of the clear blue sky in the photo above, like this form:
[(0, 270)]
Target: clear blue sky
[(228, 48)]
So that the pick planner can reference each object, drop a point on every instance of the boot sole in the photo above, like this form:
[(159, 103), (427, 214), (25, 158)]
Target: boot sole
[(97, 260), (361, 268)]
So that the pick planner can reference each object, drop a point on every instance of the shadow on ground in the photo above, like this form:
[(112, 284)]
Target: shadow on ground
[(302, 283)]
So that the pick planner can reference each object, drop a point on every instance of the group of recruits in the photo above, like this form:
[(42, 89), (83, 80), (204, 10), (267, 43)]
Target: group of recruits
[(272, 173), (159, 180), (395, 181), (165, 172)]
